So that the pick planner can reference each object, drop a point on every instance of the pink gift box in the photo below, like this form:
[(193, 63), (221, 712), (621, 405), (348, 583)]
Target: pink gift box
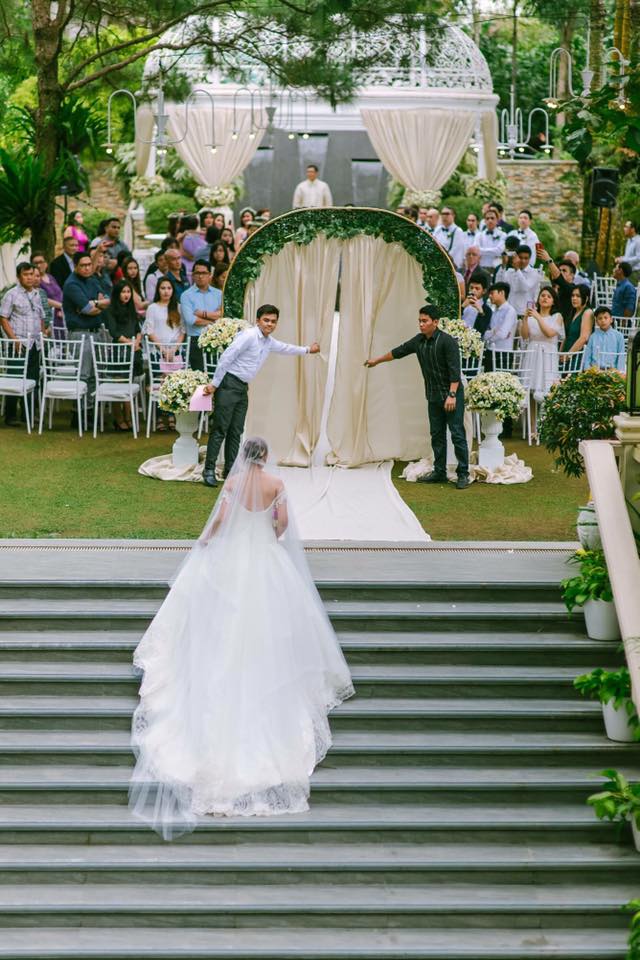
[(170, 366), (201, 402)]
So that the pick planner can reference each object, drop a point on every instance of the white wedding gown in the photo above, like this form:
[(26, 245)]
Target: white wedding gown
[(241, 666)]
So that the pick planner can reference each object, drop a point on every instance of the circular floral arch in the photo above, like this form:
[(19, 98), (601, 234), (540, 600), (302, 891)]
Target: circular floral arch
[(302, 226)]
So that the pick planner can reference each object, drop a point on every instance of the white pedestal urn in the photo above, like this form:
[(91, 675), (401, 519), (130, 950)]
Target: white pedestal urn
[(588, 529), (491, 450), (616, 723), (185, 448), (601, 620)]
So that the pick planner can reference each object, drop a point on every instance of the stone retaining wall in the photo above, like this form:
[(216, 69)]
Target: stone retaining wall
[(550, 187)]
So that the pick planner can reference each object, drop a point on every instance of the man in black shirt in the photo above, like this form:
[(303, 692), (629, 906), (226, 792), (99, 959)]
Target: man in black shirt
[(438, 354)]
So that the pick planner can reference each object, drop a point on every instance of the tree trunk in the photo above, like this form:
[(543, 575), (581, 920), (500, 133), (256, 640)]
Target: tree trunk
[(617, 24), (625, 34), (47, 44), (634, 31), (567, 31)]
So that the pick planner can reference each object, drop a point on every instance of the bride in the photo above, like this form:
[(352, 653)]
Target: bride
[(241, 667)]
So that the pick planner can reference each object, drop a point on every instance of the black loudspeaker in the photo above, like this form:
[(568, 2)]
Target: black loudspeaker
[(604, 187)]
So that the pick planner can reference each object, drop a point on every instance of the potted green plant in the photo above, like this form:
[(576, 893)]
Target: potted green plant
[(591, 589), (613, 689), (633, 907), (619, 801)]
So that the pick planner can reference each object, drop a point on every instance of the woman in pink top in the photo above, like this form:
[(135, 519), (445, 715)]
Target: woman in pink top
[(74, 229)]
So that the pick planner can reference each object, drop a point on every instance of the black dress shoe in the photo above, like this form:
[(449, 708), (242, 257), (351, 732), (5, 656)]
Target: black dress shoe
[(462, 483), (209, 478), (432, 478)]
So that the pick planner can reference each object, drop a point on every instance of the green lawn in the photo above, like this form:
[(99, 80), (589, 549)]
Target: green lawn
[(57, 485)]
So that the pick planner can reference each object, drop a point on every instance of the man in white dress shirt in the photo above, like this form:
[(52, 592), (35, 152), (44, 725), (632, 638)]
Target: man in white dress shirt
[(523, 280), (433, 219), (632, 247), (504, 321), (237, 366), (421, 219), (490, 241), (312, 192), (450, 236), (525, 234), (471, 233)]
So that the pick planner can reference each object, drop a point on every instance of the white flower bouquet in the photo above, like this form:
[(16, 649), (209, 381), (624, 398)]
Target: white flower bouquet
[(421, 198), (500, 392), (469, 339), (216, 196), (177, 389), (217, 336), (142, 187)]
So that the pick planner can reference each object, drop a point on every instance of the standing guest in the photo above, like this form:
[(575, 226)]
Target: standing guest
[(471, 262), (580, 323), (438, 354), (122, 323), (100, 272), (246, 216), (476, 312), (191, 241), (563, 279), (109, 236), (523, 281), (227, 238), (44, 300), (205, 218), (220, 272), (312, 192), (264, 213), (504, 320), (421, 219), (156, 270), (131, 272), (200, 306), (631, 253), (580, 276), (173, 222), (22, 318), (219, 221), (176, 272), (502, 223), (471, 233), (74, 229), (236, 368), (543, 328), (433, 219), (83, 304), (524, 233), (605, 348), (625, 294), (450, 236), (219, 254), (491, 241), (62, 266), (163, 323), (52, 288)]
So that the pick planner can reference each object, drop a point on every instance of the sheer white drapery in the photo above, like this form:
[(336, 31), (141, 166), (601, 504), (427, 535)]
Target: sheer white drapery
[(286, 398), (231, 157), (489, 128), (377, 414), (144, 132), (420, 148)]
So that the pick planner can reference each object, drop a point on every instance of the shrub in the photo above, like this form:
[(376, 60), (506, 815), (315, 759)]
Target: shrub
[(580, 407), (158, 209), (92, 218), (547, 235)]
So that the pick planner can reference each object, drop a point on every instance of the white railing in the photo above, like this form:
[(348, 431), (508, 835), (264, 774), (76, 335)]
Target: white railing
[(619, 545)]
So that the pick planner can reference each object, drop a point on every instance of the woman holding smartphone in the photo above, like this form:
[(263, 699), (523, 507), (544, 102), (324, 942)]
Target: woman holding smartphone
[(543, 328)]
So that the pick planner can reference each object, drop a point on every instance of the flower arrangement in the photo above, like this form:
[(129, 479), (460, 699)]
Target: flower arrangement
[(177, 389), (217, 336), (592, 583), (487, 190), (421, 198), (142, 187), (500, 392), (581, 407), (222, 196), (469, 339)]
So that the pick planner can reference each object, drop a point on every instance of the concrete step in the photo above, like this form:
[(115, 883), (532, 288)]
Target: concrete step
[(59, 784), (584, 750), (382, 680), (503, 648), (358, 904), (371, 713), (382, 819), (312, 943)]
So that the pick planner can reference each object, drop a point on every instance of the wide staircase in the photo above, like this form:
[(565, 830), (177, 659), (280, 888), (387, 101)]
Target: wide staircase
[(448, 820)]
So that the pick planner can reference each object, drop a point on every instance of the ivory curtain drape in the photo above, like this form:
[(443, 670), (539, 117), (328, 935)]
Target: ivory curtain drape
[(231, 157), (420, 148), (377, 414), (286, 398), (144, 132), (489, 129)]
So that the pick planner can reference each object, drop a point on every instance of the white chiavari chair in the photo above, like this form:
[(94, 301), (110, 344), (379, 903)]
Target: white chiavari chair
[(162, 359), (602, 291), (61, 369), (14, 359), (113, 366), (520, 364)]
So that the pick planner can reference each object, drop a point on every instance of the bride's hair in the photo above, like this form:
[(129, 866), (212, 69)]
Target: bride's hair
[(255, 450)]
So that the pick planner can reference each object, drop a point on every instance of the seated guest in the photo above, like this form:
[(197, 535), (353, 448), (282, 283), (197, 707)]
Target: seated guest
[(83, 303), (176, 272), (625, 294), (22, 318), (51, 287), (523, 280), (62, 266), (471, 262), (121, 321), (504, 320), (200, 305), (163, 323), (491, 241), (580, 323), (605, 347), (75, 229), (476, 312), (525, 235)]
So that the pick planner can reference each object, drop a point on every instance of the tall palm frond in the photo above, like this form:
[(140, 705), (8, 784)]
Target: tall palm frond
[(25, 191)]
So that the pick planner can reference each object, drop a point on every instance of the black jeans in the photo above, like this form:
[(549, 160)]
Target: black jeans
[(196, 359), (226, 423), (33, 373), (439, 420)]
